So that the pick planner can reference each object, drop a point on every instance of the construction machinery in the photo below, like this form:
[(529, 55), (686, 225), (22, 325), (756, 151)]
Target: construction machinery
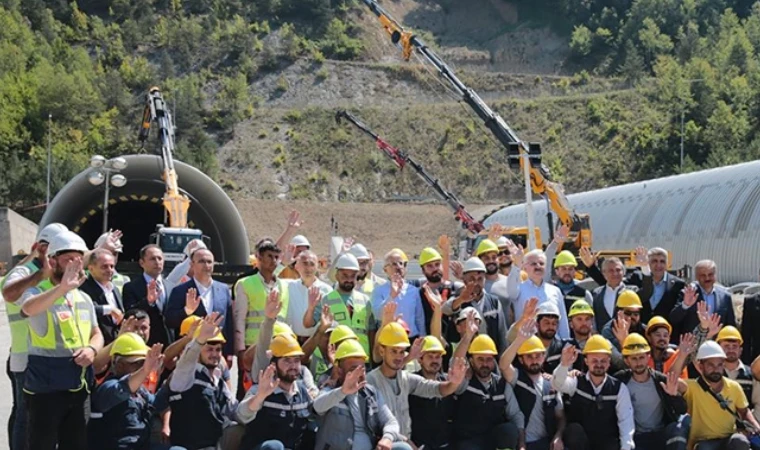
[(178, 234), (520, 153)]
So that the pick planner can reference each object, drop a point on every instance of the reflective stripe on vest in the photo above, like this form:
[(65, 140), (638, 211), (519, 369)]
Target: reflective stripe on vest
[(321, 366), (16, 321), (256, 291), (69, 327), (358, 321)]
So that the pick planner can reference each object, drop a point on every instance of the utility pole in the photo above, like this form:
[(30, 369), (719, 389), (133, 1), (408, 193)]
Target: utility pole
[(49, 156)]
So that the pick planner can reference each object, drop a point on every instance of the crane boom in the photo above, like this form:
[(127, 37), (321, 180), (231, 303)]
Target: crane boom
[(156, 111), (540, 179), (402, 158)]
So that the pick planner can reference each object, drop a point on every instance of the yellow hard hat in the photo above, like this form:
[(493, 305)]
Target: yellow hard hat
[(350, 348), (729, 332), (485, 246), (432, 344), (482, 345), (597, 344), (129, 344), (429, 254), (580, 307), (393, 335), (634, 344), (629, 299), (282, 328), (217, 339), (400, 252), (658, 322), (532, 345), (565, 258), (340, 334), (186, 324), (284, 346)]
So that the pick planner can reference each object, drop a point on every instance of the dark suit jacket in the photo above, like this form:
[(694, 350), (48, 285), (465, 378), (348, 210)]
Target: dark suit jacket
[(645, 283), (222, 303), (107, 325), (685, 320), (601, 317), (750, 333), (135, 295)]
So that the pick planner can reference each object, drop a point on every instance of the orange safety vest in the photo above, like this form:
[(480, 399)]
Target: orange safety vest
[(668, 363)]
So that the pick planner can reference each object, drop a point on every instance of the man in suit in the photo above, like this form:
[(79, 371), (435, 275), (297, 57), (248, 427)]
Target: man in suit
[(658, 290), (683, 316), (201, 296), (105, 296), (605, 297), (150, 293)]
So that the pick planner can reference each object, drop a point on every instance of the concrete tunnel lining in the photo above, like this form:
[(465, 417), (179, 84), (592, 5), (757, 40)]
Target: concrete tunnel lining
[(136, 208)]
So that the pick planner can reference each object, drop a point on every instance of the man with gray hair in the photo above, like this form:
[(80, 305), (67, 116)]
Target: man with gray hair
[(406, 296), (658, 289), (605, 297), (684, 317), (534, 264), (305, 293)]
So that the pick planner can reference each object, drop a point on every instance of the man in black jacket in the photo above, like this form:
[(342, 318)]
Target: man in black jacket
[(149, 293), (657, 405), (658, 290), (105, 296)]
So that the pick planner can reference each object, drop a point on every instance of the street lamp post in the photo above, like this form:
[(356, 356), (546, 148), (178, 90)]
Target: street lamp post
[(107, 171)]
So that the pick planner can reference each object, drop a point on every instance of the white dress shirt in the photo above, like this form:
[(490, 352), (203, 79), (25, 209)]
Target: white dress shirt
[(610, 297), (161, 301), (110, 298), (206, 295)]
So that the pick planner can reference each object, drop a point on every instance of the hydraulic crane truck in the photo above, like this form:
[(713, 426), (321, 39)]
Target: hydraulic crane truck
[(171, 239)]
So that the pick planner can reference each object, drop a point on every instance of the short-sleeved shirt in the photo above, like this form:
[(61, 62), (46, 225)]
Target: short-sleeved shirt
[(648, 409), (21, 271), (708, 420)]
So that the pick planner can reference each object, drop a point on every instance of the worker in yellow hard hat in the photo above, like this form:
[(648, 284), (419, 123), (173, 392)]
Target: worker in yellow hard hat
[(355, 404), (121, 407), (731, 341), (542, 431), (600, 414), (275, 411), (564, 271), (657, 407), (628, 306), (663, 356), (495, 283), (434, 291), (487, 413), (390, 375)]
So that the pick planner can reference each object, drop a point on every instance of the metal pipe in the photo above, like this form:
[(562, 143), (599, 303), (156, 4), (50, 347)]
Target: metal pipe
[(105, 199)]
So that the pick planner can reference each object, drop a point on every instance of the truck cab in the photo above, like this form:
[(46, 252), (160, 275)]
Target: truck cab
[(173, 241)]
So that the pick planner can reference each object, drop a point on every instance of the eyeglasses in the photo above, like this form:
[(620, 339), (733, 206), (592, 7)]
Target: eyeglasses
[(636, 347), (537, 264), (504, 253), (397, 263), (632, 313)]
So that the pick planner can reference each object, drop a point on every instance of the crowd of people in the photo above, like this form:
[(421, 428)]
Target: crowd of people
[(504, 350)]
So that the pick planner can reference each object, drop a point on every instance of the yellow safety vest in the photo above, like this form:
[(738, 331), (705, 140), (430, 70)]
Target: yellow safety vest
[(16, 321), (357, 322), (256, 291)]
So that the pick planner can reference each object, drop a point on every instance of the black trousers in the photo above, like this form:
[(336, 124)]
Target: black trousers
[(56, 419)]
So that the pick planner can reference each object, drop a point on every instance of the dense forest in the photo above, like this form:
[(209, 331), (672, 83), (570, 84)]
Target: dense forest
[(84, 68)]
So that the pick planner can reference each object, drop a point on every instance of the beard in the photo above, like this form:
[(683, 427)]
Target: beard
[(598, 371), (348, 286), (533, 369), (492, 268), (434, 277), (288, 376), (505, 264), (483, 372), (713, 377), (547, 334), (638, 370), (362, 276), (432, 367), (567, 279)]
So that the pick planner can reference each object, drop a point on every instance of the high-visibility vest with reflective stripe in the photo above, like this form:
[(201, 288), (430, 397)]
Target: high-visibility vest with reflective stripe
[(119, 281), (319, 363), (357, 321), (17, 322), (254, 289), (367, 287)]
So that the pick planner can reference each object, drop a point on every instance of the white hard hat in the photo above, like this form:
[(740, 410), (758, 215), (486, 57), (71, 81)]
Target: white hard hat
[(359, 251), (502, 242), (66, 241), (465, 312), (102, 240), (300, 240), (200, 245), (547, 309), (50, 231), (710, 349), (474, 265), (347, 261)]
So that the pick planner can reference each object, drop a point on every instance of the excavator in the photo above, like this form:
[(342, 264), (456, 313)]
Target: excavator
[(519, 152), (172, 239)]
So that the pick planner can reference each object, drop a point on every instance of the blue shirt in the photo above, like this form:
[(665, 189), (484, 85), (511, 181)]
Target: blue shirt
[(521, 292), (409, 306), (659, 291), (709, 299)]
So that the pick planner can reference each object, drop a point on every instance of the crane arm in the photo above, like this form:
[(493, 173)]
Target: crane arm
[(402, 158), (541, 183), (156, 111)]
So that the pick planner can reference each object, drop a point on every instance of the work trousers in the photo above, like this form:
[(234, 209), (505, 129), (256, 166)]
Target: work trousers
[(673, 437), (56, 419), (17, 419), (736, 441), (501, 436), (576, 439)]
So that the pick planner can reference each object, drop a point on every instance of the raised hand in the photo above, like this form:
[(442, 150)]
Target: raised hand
[(472, 325), (457, 370), (569, 355), (557, 444), (354, 381), (703, 315), (287, 255), (154, 358), (444, 244), (128, 326), (641, 256), (116, 315), (273, 305), (516, 252), (192, 301), (688, 343), (530, 310), (714, 326), (41, 255), (588, 258), (315, 297), (153, 292), (456, 268), (389, 312), (73, 277), (671, 387), (415, 351), (209, 327), (325, 319), (294, 219), (527, 330), (434, 298), (495, 231), (267, 381), (331, 349), (689, 295), (397, 284), (560, 236), (620, 327), (347, 244)]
